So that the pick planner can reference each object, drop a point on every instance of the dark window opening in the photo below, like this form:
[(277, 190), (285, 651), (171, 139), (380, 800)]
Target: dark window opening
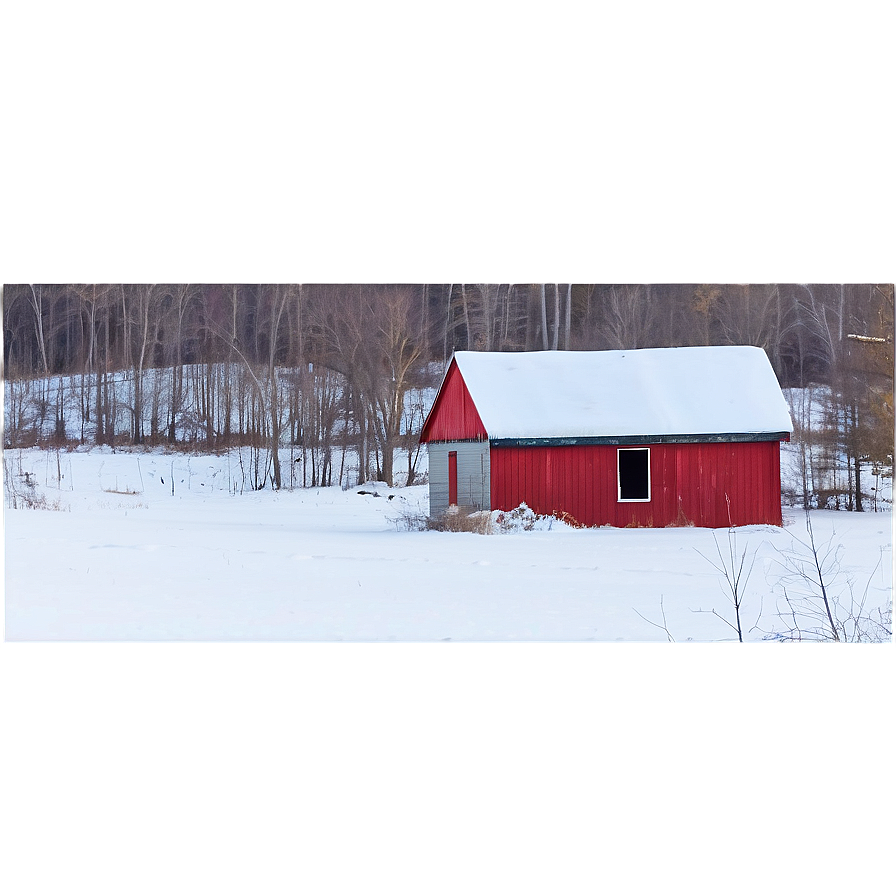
[(452, 477), (634, 474)]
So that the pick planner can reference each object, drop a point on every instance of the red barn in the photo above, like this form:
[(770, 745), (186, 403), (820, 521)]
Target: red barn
[(648, 437)]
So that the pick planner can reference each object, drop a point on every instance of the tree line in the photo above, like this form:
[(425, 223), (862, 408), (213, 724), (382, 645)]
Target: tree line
[(339, 371)]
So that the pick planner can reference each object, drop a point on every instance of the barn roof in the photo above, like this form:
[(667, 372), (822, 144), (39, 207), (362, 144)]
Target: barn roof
[(643, 392)]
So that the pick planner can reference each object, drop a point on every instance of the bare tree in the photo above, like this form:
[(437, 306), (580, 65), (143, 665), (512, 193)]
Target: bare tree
[(746, 315), (279, 296), (819, 602), (37, 306), (179, 298), (373, 341), (627, 315), (732, 565), (141, 305)]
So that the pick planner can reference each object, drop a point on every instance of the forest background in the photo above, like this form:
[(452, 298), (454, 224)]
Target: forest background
[(341, 376)]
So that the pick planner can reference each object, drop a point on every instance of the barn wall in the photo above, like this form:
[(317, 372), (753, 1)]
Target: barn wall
[(688, 481), (473, 472), (453, 414)]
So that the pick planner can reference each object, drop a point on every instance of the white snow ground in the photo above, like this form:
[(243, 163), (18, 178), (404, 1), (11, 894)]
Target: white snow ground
[(124, 559)]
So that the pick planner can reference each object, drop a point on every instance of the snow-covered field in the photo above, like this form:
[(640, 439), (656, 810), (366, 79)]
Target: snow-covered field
[(149, 546)]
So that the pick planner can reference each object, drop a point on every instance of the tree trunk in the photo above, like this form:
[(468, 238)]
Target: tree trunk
[(854, 419), (37, 305), (568, 324), (556, 337), (463, 298)]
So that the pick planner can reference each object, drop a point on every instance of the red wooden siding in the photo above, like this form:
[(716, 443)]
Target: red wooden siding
[(453, 416), (687, 481)]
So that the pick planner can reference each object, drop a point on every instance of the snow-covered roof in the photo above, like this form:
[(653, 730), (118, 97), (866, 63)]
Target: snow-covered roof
[(654, 391)]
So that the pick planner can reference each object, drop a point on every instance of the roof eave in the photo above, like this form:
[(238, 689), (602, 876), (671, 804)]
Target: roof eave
[(677, 438)]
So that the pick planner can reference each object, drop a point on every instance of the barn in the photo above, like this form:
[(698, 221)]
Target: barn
[(647, 437)]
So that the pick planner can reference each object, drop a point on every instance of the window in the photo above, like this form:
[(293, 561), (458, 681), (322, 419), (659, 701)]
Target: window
[(633, 467)]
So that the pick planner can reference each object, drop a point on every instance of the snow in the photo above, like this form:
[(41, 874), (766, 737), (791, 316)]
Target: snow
[(660, 391), (125, 559)]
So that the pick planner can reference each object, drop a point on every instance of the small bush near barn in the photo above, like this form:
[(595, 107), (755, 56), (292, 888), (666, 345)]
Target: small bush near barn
[(457, 519), (482, 522)]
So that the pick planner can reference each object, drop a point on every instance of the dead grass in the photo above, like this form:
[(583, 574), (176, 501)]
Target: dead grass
[(108, 505), (564, 517), (681, 521), (460, 519), (464, 519)]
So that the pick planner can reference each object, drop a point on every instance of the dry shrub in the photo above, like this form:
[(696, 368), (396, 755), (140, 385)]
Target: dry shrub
[(564, 517), (21, 491), (40, 502), (463, 519), (681, 521), (459, 519), (483, 522), (520, 519), (524, 519)]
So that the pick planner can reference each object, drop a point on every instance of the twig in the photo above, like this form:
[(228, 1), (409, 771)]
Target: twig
[(656, 624)]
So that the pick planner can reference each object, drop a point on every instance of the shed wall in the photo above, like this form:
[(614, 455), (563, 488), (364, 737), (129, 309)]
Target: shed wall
[(688, 481), (473, 474), (453, 414)]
